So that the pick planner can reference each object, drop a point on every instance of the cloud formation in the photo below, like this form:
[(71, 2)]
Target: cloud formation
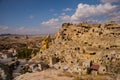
[(85, 11), (24, 30), (67, 9), (28, 30), (89, 13), (55, 23), (3, 27), (52, 23)]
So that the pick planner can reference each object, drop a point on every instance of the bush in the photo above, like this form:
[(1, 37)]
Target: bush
[(88, 70), (24, 53)]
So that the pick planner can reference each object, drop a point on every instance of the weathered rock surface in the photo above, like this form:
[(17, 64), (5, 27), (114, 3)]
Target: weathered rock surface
[(75, 43)]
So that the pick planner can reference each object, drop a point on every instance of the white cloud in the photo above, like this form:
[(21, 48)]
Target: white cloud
[(56, 22), (21, 28), (115, 16), (109, 1), (63, 14), (52, 23), (85, 11), (67, 9), (2, 27), (5, 29), (28, 30), (65, 18)]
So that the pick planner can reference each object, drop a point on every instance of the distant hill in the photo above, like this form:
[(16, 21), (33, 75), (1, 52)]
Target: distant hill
[(8, 34), (5, 34)]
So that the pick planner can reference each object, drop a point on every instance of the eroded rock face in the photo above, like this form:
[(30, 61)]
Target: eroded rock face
[(76, 43)]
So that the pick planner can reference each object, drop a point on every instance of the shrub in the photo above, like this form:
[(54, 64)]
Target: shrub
[(88, 70), (24, 53)]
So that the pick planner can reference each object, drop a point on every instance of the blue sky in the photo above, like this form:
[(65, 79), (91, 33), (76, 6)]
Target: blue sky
[(46, 16)]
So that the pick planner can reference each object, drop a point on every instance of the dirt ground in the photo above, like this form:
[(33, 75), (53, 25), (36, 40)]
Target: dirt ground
[(52, 74), (44, 75)]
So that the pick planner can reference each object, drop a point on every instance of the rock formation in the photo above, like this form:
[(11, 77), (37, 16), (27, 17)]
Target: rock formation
[(75, 44)]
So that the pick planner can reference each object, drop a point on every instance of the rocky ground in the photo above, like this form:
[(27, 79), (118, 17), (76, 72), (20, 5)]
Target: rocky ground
[(44, 75), (59, 75)]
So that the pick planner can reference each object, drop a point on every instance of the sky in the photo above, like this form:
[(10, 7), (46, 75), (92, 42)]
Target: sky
[(47, 16)]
